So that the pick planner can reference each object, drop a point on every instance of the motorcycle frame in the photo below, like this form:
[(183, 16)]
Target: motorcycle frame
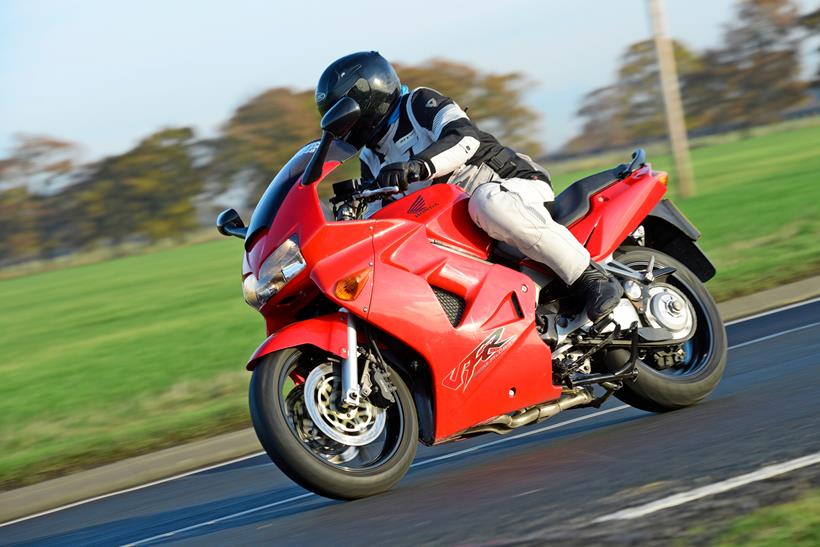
[(493, 361)]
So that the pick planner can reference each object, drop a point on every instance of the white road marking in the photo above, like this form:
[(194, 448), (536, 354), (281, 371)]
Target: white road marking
[(133, 488), (423, 462), (775, 310), (775, 335), (712, 489), (220, 519)]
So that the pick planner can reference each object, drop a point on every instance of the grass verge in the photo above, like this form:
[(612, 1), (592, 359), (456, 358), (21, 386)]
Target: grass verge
[(794, 523)]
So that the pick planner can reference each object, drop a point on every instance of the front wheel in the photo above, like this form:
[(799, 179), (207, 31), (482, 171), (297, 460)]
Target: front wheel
[(337, 452), (682, 375)]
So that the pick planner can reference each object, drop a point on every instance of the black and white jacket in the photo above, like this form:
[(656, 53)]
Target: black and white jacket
[(434, 129)]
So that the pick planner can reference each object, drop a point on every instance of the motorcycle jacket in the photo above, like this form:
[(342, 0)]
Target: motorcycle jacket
[(432, 128)]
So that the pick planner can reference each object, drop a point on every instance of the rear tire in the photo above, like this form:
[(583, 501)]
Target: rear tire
[(659, 391), (300, 463)]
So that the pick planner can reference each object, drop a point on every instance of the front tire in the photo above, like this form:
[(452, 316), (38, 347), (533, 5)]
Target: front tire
[(686, 385), (327, 470)]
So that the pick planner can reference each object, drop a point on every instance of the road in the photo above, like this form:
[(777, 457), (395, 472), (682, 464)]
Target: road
[(558, 480)]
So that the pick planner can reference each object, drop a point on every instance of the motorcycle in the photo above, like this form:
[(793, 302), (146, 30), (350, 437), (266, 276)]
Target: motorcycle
[(410, 324)]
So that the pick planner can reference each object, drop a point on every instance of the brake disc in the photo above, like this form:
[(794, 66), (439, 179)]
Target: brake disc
[(312, 436), (669, 309), (352, 426)]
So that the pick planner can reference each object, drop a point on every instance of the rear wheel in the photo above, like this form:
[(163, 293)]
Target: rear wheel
[(699, 362), (337, 452)]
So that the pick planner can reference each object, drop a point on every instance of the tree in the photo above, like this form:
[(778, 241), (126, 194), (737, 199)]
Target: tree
[(751, 80), (756, 74), (811, 22), (602, 116), (147, 191), (631, 110), (640, 88), (494, 101), (40, 162), (262, 135), (37, 167), (54, 205), (20, 240)]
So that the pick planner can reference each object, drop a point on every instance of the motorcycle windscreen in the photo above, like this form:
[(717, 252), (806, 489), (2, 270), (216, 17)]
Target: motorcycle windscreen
[(284, 180)]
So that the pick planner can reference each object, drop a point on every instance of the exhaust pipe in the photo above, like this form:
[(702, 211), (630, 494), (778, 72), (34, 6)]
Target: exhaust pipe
[(506, 422)]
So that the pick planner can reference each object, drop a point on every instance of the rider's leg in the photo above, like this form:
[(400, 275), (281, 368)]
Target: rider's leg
[(513, 212)]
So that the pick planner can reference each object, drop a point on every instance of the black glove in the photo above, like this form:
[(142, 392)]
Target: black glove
[(402, 173)]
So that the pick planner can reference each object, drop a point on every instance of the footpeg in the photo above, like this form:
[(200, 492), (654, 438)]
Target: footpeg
[(598, 328), (628, 372)]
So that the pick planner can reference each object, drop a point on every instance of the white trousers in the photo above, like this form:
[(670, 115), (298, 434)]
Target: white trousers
[(513, 211)]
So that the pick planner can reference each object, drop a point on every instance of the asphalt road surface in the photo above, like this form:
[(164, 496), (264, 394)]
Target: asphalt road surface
[(558, 480)]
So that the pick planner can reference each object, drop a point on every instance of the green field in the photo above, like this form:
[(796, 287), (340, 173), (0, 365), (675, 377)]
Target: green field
[(120, 357), (796, 523)]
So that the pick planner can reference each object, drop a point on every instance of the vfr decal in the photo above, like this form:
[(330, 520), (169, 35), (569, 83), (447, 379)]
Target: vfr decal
[(477, 361)]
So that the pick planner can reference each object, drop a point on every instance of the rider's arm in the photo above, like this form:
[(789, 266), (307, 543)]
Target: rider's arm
[(455, 136), (369, 163)]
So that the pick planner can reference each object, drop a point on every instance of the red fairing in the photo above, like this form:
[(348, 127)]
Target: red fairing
[(300, 214), (617, 211), (332, 250), (328, 332), (493, 361), (442, 208)]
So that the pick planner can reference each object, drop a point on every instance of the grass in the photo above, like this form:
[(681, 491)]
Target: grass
[(122, 356), (111, 359), (795, 523)]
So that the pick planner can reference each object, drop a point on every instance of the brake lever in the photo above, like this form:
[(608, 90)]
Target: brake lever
[(387, 190)]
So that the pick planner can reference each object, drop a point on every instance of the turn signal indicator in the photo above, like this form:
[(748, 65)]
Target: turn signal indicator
[(349, 288)]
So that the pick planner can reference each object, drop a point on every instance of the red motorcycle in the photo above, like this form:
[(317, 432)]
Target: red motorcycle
[(411, 324)]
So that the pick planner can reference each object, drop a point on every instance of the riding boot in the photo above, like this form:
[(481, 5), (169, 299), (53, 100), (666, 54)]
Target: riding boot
[(600, 289)]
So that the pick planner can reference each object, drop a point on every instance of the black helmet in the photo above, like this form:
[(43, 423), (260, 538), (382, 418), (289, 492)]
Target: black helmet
[(368, 79)]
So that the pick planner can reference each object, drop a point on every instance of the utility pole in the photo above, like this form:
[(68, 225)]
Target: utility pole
[(671, 99)]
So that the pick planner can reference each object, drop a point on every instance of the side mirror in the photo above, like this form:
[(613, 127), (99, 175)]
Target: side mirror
[(342, 116), (229, 223)]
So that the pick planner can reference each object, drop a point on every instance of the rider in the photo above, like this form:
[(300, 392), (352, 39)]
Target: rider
[(418, 135)]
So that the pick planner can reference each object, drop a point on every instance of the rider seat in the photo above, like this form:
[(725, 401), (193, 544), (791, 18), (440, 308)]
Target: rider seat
[(573, 203)]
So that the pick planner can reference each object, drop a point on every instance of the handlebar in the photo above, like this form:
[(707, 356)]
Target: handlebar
[(352, 197), (375, 192)]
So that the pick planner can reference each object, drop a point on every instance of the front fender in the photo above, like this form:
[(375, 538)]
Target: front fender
[(327, 332)]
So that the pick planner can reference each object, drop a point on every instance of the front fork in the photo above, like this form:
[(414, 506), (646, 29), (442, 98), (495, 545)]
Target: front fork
[(351, 390)]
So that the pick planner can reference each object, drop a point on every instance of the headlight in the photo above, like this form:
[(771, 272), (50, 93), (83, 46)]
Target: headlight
[(279, 268)]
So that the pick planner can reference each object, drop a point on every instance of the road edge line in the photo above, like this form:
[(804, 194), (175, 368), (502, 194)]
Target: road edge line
[(713, 489)]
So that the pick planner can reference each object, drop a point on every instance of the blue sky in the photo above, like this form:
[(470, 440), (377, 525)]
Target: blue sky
[(104, 73)]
